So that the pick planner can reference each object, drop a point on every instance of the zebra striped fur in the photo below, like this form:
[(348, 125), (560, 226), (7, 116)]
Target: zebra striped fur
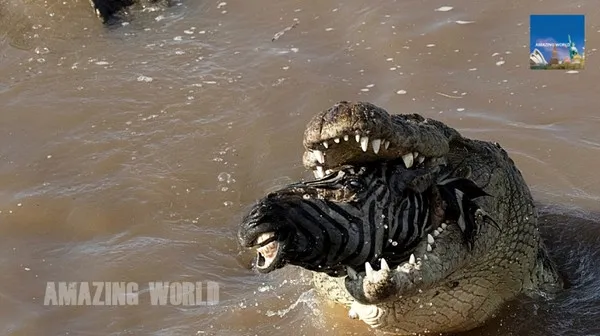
[(359, 215), (383, 222)]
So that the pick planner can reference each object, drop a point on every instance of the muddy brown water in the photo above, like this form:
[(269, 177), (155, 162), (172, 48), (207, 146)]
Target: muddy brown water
[(129, 153)]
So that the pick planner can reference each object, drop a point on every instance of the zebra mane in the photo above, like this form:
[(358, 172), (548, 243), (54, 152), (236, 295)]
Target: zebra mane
[(332, 180), (339, 186)]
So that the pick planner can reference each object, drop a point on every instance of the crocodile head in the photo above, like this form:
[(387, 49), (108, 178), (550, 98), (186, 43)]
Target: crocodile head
[(382, 192)]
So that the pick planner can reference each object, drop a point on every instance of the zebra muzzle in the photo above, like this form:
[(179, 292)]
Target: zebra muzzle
[(267, 252)]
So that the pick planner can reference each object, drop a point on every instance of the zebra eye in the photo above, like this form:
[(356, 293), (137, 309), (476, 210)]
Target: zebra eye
[(355, 184)]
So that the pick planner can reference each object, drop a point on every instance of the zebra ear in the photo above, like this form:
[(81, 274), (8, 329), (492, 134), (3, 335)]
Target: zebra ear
[(465, 219), (458, 193)]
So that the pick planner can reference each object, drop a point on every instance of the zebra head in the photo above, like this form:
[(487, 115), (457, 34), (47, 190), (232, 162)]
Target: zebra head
[(296, 224), (321, 224), (350, 217)]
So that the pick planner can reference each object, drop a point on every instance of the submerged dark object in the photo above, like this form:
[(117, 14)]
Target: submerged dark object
[(107, 9)]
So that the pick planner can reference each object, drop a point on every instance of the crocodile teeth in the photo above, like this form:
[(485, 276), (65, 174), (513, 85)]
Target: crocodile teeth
[(421, 159), (325, 144), (319, 173), (376, 145), (408, 160), (411, 260), (357, 137), (425, 257), (346, 137), (368, 270), (364, 143), (351, 273), (336, 140), (429, 248), (444, 225), (328, 171), (319, 156), (384, 265), (415, 154), (436, 233), (386, 144), (430, 239)]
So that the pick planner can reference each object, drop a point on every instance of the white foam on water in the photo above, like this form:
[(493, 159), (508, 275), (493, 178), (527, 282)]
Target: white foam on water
[(143, 78), (308, 298)]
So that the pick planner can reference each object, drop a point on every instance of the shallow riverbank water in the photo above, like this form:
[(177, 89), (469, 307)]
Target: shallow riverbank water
[(130, 153)]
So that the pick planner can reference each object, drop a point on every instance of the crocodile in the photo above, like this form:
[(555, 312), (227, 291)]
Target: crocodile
[(410, 225)]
